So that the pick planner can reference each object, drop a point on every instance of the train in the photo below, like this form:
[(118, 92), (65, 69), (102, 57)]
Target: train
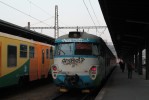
[(81, 61), (23, 60)]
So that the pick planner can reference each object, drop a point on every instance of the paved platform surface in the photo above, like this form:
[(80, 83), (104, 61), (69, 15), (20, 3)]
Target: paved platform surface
[(119, 87)]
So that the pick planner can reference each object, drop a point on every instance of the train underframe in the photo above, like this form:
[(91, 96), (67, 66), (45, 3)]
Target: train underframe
[(82, 82)]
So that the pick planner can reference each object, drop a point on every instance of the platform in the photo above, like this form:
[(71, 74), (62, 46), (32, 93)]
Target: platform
[(119, 87)]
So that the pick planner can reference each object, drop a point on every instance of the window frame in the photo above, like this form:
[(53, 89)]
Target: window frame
[(23, 51), (97, 49), (31, 52), (58, 49), (47, 53), (14, 54), (83, 49)]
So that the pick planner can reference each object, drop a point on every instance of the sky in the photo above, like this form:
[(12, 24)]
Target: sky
[(40, 13)]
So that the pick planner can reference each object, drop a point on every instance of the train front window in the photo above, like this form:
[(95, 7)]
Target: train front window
[(83, 49), (64, 49)]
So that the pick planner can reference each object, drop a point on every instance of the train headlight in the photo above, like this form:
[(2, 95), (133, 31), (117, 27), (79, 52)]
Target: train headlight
[(93, 68), (93, 72), (54, 71), (54, 68)]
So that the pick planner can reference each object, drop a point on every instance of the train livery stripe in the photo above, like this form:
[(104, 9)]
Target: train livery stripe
[(76, 40), (13, 77)]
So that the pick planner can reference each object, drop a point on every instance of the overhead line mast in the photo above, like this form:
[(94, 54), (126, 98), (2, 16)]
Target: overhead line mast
[(56, 27)]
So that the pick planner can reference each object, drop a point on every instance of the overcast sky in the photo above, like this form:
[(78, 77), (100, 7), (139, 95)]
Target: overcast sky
[(71, 13)]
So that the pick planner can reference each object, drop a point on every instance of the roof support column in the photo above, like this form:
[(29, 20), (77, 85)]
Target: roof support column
[(140, 62), (147, 59)]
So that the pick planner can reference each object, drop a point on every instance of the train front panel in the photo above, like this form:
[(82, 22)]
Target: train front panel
[(76, 72)]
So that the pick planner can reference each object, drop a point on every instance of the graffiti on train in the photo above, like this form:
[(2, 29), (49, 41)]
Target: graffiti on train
[(73, 61)]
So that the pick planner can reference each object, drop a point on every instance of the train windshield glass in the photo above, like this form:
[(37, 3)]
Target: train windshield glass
[(83, 49), (64, 49), (78, 48)]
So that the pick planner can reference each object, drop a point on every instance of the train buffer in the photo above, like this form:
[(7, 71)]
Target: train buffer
[(119, 87)]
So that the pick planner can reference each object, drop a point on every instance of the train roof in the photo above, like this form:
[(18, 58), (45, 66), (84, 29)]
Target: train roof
[(84, 35), (14, 37), (78, 37), (16, 30)]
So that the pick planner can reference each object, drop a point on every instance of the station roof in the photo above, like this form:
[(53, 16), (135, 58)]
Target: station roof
[(23, 32), (128, 24)]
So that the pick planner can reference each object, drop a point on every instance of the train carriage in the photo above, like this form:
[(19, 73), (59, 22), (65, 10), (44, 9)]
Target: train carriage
[(23, 60), (81, 61)]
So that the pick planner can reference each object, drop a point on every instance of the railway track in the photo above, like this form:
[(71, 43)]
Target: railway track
[(43, 91), (34, 91), (73, 95)]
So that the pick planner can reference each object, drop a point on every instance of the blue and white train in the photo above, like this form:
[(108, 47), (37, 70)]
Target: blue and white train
[(81, 61)]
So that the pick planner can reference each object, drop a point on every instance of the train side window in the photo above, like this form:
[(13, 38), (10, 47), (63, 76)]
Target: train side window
[(47, 53), (95, 50), (51, 53), (12, 56), (23, 51), (31, 52)]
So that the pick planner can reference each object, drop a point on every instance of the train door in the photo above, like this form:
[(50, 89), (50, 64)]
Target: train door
[(33, 62), (48, 61), (51, 56), (41, 53), (45, 61), (39, 59), (0, 58)]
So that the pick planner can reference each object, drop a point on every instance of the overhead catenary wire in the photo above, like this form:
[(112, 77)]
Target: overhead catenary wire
[(42, 21), (90, 15), (94, 11), (103, 32), (38, 7), (89, 12), (22, 12), (63, 23), (96, 18)]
